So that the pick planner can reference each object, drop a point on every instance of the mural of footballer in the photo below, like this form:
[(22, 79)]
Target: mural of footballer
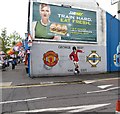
[(74, 57)]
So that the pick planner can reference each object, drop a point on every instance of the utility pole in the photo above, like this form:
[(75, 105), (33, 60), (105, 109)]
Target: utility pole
[(28, 24), (28, 33)]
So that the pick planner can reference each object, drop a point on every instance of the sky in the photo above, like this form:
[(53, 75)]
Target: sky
[(14, 14)]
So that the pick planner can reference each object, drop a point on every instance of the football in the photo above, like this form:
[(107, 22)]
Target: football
[(75, 72)]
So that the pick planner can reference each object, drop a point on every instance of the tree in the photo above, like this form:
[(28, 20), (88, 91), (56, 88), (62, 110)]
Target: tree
[(9, 41), (4, 40), (14, 38)]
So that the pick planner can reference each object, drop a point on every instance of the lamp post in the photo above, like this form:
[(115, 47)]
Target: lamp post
[(28, 32)]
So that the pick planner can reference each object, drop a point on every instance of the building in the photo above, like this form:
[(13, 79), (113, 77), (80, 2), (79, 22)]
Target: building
[(89, 28)]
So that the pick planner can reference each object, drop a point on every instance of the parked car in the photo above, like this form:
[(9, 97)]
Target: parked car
[(1, 64)]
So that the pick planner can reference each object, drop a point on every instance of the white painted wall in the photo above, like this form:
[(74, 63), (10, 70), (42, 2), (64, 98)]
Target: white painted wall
[(65, 66)]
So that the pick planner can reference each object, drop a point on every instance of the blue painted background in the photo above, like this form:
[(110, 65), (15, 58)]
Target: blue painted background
[(113, 39)]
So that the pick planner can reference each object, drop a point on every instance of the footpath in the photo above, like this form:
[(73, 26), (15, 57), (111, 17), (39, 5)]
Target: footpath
[(18, 77)]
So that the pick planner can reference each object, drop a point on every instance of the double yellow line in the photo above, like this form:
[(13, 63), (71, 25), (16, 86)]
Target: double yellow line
[(51, 84), (30, 85)]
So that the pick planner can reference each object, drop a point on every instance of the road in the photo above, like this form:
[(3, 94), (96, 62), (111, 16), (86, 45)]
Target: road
[(90, 96)]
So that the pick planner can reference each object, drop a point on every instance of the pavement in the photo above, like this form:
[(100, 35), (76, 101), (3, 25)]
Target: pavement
[(18, 77)]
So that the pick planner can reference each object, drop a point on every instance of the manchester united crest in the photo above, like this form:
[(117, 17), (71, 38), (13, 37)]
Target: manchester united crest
[(50, 58)]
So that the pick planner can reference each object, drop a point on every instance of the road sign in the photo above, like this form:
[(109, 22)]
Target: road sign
[(29, 40)]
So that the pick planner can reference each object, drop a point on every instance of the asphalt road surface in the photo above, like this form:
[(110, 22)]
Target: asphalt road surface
[(86, 96)]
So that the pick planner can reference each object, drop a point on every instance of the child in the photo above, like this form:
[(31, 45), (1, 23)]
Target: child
[(74, 56)]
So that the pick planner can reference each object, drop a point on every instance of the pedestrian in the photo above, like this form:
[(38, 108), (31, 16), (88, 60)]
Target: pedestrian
[(74, 57), (26, 62), (13, 63)]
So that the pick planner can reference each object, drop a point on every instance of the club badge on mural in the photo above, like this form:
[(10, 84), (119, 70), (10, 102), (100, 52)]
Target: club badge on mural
[(117, 57), (50, 58), (93, 58)]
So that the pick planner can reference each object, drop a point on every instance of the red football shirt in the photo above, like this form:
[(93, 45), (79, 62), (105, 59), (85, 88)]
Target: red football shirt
[(74, 55)]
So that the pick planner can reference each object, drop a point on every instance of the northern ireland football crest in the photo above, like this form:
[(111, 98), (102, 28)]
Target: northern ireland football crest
[(93, 58)]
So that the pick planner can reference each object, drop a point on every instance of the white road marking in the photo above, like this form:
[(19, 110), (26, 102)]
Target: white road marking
[(117, 112), (103, 90), (104, 86), (89, 81), (89, 107), (46, 82), (33, 99), (68, 109), (5, 83), (92, 81)]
